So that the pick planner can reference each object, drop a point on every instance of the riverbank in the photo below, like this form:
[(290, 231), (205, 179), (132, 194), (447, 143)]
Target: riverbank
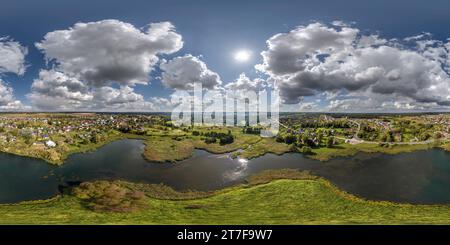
[(347, 150), (166, 149), (272, 198), (59, 155), (179, 145), (177, 148)]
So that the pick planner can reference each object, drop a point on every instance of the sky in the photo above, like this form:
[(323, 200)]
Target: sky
[(108, 55)]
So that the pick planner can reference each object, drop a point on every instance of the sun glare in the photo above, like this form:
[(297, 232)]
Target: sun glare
[(242, 55)]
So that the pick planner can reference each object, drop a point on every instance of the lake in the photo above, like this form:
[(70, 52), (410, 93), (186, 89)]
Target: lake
[(417, 177)]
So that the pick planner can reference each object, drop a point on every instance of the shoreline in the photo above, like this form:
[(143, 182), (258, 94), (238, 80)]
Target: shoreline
[(330, 205), (244, 150)]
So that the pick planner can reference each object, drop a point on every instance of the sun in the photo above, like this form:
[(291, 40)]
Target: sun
[(242, 55)]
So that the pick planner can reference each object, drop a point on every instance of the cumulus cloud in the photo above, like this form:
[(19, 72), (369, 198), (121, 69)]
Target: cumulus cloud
[(182, 72), (378, 104), (55, 90), (113, 96), (120, 99), (244, 83), (12, 60), (109, 50), (7, 99), (244, 88), (163, 104), (338, 59), (95, 65), (6, 94)]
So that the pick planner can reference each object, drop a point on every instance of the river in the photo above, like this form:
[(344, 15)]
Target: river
[(417, 177)]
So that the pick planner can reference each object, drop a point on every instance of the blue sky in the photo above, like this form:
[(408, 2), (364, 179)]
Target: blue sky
[(213, 30)]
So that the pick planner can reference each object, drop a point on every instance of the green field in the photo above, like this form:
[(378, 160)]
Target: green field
[(303, 200), (166, 149), (344, 150), (264, 146), (176, 148)]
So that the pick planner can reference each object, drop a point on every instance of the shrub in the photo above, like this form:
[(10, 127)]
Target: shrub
[(210, 140), (104, 196), (306, 150), (289, 139), (228, 139), (330, 141)]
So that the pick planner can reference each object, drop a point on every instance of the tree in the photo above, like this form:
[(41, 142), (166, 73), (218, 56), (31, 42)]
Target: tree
[(437, 135), (299, 141), (28, 136), (319, 139), (228, 139), (306, 150), (279, 139), (389, 137), (289, 139), (305, 138), (210, 140), (95, 138), (251, 130)]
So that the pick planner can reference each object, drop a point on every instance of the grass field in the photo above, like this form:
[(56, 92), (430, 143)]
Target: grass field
[(57, 156), (166, 149), (343, 150), (265, 145), (305, 200), (175, 148), (241, 141)]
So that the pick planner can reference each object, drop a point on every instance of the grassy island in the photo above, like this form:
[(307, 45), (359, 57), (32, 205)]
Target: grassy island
[(166, 149)]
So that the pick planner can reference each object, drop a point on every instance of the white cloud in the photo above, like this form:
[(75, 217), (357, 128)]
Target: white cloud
[(308, 106), (120, 99), (109, 50), (7, 100), (319, 58), (123, 96), (6, 94), (163, 104), (12, 60), (91, 58), (245, 83), (182, 72), (12, 56), (55, 90)]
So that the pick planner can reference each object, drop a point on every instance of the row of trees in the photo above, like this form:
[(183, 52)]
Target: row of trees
[(371, 134), (213, 137), (251, 130), (326, 124), (304, 140)]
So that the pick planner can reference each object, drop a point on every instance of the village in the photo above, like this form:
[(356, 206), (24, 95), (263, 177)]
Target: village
[(318, 130), (51, 136)]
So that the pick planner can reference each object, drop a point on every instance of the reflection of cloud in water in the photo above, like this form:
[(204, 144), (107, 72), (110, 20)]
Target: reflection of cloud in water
[(238, 171), (221, 156), (243, 161)]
